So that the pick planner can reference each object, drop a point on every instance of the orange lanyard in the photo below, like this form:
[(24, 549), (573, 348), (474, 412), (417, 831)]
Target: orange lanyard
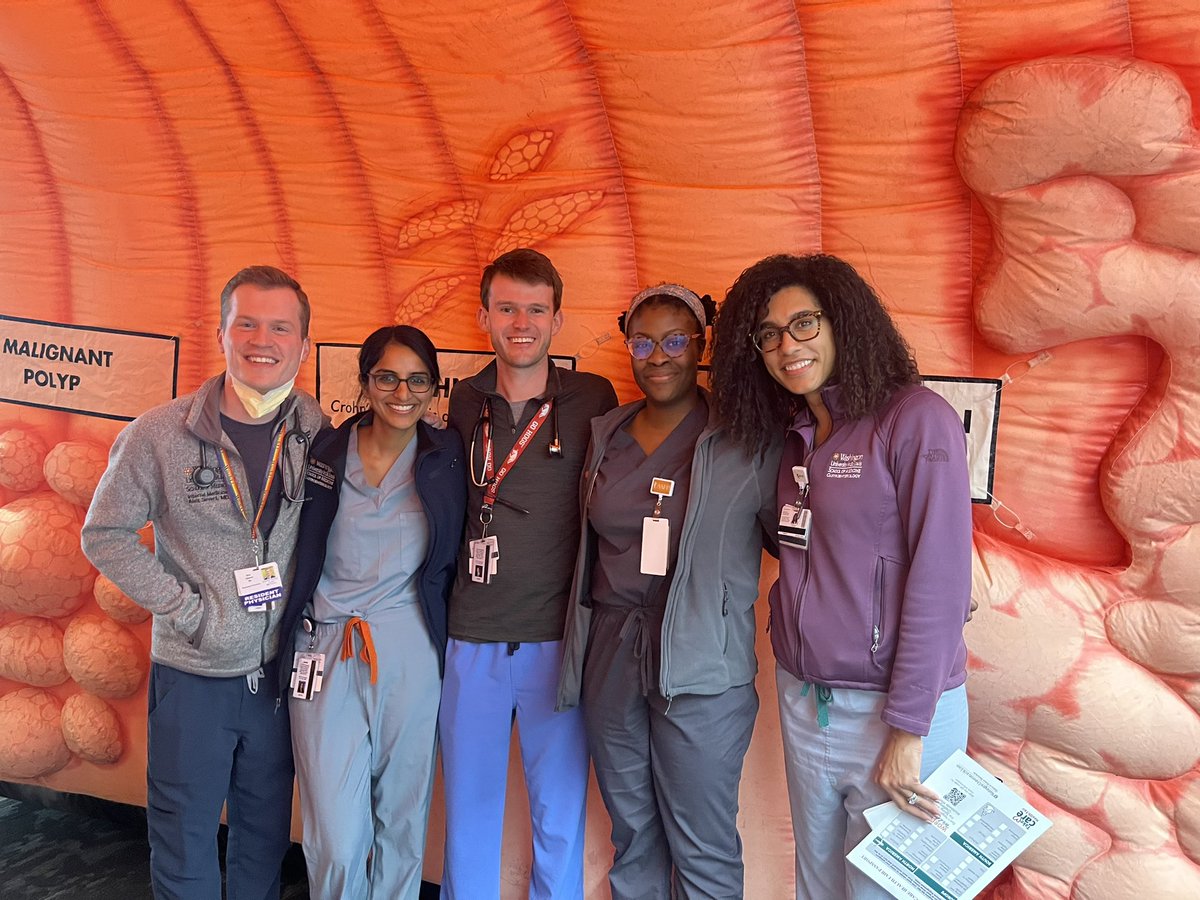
[(239, 495)]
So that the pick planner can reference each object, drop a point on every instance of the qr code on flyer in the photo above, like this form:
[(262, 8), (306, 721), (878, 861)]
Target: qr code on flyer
[(954, 796)]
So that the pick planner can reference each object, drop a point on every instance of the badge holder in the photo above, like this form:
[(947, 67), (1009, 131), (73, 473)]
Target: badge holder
[(308, 671), (795, 519), (656, 531), (259, 587), (485, 558), (308, 667)]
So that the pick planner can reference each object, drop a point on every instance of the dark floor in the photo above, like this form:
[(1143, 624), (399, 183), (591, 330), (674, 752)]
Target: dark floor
[(59, 847), (66, 847)]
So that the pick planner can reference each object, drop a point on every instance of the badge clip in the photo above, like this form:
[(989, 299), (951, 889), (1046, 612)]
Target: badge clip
[(661, 488)]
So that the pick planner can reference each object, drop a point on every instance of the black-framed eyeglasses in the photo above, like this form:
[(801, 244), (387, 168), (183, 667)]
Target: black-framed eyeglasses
[(673, 345), (802, 327), (390, 381)]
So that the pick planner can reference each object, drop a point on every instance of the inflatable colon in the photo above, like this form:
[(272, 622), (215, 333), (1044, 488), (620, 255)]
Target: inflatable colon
[(31, 738), (118, 607), (42, 569), (73, 469), (1016, 178), (91, 729), (21, 455), (45, 587), (31, 652), (103, 656), (1090, 173)]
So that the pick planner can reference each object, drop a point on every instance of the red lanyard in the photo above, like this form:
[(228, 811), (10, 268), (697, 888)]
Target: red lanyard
[(491, 474), (239, 498)]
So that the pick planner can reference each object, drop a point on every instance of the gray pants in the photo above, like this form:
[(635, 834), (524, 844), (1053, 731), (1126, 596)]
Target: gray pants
[(669, 775)]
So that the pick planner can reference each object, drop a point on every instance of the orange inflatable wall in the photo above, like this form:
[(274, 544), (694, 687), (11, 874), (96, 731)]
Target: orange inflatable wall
[(1021, 181)]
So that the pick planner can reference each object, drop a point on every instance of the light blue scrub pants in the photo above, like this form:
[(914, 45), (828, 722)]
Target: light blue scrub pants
[(364, 759), (485, 688), (830, 778)]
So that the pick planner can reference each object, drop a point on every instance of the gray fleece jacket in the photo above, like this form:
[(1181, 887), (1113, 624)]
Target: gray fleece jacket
[(200, 537), (708, 625)]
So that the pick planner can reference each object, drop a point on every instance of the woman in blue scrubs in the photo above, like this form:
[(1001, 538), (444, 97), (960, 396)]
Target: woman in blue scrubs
[(378, 544)]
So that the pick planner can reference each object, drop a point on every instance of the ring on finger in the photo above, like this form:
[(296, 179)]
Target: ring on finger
[(912, 799)]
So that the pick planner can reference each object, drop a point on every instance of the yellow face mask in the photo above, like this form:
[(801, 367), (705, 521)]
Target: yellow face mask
[(260, 405)]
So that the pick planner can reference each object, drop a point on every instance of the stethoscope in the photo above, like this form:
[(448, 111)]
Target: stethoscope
[(291, 476), (485, 414)]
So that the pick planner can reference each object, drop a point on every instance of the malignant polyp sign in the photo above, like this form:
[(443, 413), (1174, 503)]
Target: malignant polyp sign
[(93, 371)]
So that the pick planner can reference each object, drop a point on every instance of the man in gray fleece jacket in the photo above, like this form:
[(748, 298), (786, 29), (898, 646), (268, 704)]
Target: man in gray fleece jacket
[(220, 475)]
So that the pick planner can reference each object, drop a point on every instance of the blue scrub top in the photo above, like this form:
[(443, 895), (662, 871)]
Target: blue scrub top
[(377, 543)]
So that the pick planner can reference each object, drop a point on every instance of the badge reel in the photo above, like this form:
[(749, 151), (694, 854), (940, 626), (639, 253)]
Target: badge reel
[(308, 667), (795, 519), (656, 530)]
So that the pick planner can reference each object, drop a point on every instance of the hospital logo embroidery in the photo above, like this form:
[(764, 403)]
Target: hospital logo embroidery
[(845, 465), (935, 455), (202, 493), (320, 474)]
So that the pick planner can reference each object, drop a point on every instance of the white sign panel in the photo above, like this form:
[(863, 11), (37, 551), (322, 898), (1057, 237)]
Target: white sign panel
[(338, 390), (92, 371), (978, 403), (983, 827)]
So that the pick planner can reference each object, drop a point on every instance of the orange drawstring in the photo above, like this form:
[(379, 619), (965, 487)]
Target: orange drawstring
[(367, 654)]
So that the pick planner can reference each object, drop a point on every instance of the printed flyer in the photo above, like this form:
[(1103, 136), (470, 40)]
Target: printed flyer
[(984, 826)]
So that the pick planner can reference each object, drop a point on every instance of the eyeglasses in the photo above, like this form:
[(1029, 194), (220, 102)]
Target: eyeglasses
[(802, 327), (673, 345), (390, 381)]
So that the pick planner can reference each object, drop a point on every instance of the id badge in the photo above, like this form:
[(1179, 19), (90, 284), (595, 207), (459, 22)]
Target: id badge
[(478, 564), (259, 587), (795, 526), (308, 671), (485, 559), (656, 535), (493, 554)]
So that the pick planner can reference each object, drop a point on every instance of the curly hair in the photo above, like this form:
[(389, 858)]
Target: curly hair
[(871, 359)]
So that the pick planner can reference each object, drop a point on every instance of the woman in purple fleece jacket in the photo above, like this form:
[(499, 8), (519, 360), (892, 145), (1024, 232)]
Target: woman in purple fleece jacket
[(875, 558)]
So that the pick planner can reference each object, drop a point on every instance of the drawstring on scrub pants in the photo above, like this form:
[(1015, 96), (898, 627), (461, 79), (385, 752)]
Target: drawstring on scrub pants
[(824, 701), (367, 653), (636, 618)]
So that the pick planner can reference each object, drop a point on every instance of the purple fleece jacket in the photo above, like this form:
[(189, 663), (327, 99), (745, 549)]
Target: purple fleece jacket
[(879, 599)]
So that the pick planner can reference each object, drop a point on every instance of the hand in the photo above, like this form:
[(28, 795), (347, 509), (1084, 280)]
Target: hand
[(971, 611), (899, 773)]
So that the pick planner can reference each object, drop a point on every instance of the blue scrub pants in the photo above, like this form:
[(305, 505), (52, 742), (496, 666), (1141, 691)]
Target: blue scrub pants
[(364, 756), (484, 689), (214, 741), (830, 778)]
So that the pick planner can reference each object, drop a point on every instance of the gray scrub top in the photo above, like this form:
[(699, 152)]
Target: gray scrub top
[(621, 499), (626, 603), (377, 542)]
